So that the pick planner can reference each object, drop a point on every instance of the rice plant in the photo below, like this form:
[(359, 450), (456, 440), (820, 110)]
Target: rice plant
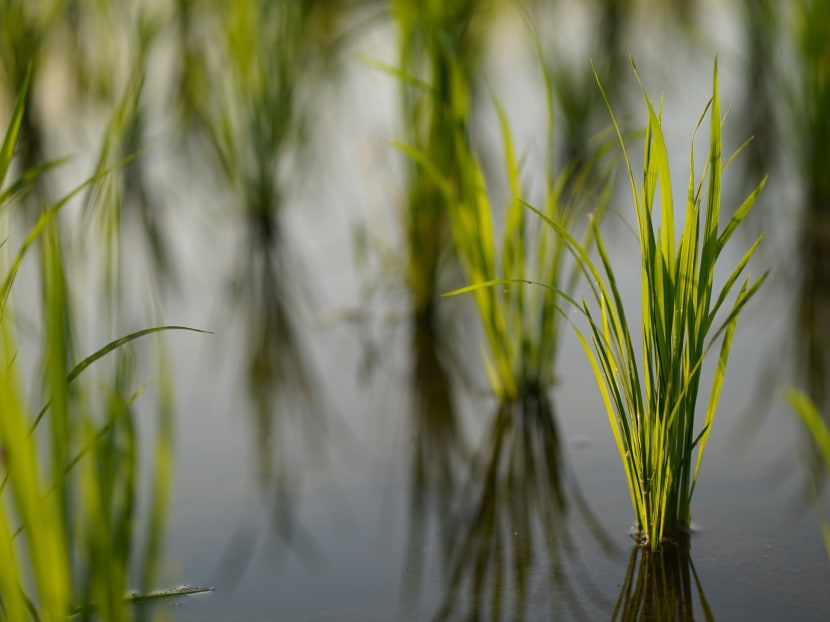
[(521, 327), (439, 55), (651, 399), (651, 394), (72, 539)]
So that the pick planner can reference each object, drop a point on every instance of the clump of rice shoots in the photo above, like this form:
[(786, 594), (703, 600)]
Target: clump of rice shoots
[(72, 538), (651, 394), (522, 328)]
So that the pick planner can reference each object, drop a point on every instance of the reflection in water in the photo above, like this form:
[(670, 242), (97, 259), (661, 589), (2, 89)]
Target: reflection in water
[(278, 374), (812, 330), (509, 535), (439, 447), (813, 154), (254, 123), (285, 415), (661, 585), (813, 337), (264, 68)]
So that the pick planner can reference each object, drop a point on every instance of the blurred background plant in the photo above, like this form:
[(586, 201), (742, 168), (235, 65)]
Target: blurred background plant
[(440, 48), (522, 326), (759, 110), (810, 103), (264, 64), (795, 145), (79, 525)]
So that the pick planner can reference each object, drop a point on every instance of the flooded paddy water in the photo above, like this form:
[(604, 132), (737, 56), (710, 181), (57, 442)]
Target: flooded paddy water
[(336, 459)]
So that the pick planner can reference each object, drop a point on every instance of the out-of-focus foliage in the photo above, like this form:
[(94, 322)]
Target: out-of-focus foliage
[(72, 540)]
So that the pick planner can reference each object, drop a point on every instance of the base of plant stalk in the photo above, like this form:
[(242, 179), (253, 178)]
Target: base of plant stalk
[(680, 538)]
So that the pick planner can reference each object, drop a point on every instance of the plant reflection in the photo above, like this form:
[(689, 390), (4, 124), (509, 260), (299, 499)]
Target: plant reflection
[(661, 585), (812, 332), (439, 447), (812, 338), (510, 532), (814, 303), (264, 61), (286, 419)]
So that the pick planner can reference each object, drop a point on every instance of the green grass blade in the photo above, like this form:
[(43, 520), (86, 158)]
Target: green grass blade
[(79, 368), (13, 129), (404, 76), (45, 218), (117, 343), (740, 214)]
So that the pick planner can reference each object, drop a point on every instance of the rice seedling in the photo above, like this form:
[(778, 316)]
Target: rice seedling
[(440, 47), (651, 400), (72, 539), (522, 328), (255, 121)]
